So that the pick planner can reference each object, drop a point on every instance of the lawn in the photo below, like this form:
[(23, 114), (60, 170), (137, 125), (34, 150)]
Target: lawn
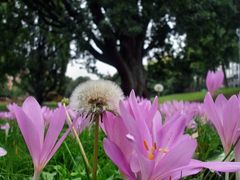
[(197, 96), (67, 162)]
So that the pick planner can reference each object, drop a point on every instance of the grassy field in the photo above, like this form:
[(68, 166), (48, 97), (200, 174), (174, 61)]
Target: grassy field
[(67, 163), (197, 96)]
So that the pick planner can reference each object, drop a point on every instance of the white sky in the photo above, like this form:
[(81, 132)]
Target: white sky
[(74, 70)]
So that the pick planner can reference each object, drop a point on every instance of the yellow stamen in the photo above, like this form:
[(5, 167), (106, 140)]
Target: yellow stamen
[(151, 155), (145, 145), (155, 146)]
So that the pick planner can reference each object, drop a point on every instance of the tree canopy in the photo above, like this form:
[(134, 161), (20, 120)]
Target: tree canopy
[(123, 33), (31, 50)]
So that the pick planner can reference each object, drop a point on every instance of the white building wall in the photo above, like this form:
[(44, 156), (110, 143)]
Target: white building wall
[(233, 75)]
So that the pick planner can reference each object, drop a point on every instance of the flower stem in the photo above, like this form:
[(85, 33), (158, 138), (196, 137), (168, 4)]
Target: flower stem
[(95, 148), (237, 173), (36, 175), (227, 159), (85, 159)]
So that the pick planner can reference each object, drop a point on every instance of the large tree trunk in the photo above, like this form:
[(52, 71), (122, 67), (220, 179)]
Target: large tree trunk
[(129, 65), (133, 78)]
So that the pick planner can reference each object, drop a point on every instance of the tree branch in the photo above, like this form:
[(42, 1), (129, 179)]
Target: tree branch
[(101, 57)]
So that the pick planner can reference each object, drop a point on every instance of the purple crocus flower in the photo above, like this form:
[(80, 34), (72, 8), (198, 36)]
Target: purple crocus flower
[(8, 115), (214, 80), (118, 145), (82, 122), (145, 148), (224, 115), (41, 145)]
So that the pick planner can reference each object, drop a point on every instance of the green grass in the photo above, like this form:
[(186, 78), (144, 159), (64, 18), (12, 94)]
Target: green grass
[(3, 107), (68, 165), (17, 164), (197, 96)]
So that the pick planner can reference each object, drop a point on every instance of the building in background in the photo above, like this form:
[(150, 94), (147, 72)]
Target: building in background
[(233, 72)]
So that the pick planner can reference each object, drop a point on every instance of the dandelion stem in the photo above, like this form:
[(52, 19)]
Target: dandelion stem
[(85, 159), (95, 153), (36, 175)]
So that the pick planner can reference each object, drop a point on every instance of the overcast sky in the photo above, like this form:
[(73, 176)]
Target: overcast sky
[(74, 70)]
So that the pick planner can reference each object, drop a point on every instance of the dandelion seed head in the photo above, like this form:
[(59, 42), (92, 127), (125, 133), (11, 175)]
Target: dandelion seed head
[(96, 96)]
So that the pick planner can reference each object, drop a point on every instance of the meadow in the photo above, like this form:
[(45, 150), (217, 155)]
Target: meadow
[(67, 163)]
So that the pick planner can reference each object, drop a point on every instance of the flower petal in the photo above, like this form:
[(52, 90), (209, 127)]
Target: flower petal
[(180, 155), (30, 136), (231, 114), (117, 157), (213, 115), (55, 127), (34, 112)]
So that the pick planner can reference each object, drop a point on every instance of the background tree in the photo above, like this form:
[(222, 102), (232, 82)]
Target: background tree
[(11, 41), (210, 42), (119, 34), (73, 84), (32, 49), (210, 27)]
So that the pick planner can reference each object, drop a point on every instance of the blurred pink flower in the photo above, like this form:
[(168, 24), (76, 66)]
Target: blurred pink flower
[(8, 115), (172, 109), (41, 145), (214, 80), (224, 114), (47, 115), (5, 127), (81, 122), (3, 152)]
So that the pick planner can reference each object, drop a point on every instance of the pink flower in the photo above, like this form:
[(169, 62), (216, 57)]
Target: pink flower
[(41, 145), (172, 109), (224, 114), (5, 127), (47, 115), (118, 146), (145, 148), (214, 80), (80, 122), (3, 152), (9, 115)]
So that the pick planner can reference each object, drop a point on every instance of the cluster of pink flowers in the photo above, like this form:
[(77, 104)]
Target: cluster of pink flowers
[(190, 110), (144, 147), (145, 140)]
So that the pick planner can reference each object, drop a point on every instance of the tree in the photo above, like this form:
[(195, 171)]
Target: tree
[(210, 26), (32, 49), (73, 84), (11, 56), (117, 33)]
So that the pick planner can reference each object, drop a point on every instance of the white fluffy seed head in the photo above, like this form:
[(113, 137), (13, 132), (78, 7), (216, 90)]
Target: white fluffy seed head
[(96, 96), (158, 87)]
